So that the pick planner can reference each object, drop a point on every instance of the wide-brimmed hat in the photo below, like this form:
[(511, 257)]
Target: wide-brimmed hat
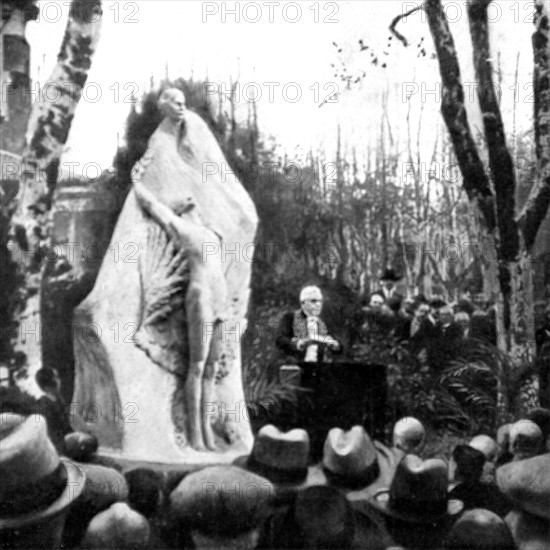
[(349, 457), (279, 456), (480, 528), (527, 484), (389, 275), (525, 439), (418, 492), (36, 483)]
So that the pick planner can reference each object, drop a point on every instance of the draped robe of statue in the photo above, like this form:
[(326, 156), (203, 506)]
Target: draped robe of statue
[(131, 333)]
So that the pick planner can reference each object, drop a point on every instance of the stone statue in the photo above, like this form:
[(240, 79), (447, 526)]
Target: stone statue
[(168, 387)]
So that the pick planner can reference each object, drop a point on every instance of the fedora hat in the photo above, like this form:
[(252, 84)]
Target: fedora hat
[(486, 445), (37, 484), (480, 529), (418, 492), (281, 457), (349, 457), (525, 439), (527, 484)]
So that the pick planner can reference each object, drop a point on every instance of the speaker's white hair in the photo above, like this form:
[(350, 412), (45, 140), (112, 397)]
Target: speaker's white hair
[(310, 292)]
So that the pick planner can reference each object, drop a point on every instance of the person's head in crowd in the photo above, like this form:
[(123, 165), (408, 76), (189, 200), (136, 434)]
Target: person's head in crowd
[(48, 381), (37, 487), (541, 417), (446, 315), (376, 302), (480, 529), (144, 490), (311, 300), (525, 439), (222, 506), (409, 435), (118, 527), (466, 465), (435, 306), (463, 319), (421, 308), (388, 279), (324, 518)]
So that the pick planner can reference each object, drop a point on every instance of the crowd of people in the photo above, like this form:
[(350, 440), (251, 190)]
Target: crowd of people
[(493, 493)]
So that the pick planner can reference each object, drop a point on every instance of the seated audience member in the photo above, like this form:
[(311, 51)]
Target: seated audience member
[(465, 306), (118, 527), (409, 435), (401, 322), (222, 507), (417, 510), (52, 407), (303, 335), (144, 491), (465, 470), (480, 529), (541, 417), (525, 439)]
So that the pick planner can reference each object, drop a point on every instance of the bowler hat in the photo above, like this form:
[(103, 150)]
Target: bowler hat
[(281, 457), (480, 529), (418, 492), (36, 484)]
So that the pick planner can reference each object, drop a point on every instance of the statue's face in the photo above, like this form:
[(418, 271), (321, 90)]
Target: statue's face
[(175, 107)]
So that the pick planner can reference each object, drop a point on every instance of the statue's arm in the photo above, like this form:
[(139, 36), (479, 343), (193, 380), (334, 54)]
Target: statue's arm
[(161, 213)]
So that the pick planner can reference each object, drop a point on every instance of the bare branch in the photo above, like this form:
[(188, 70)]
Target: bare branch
[(397, 19)]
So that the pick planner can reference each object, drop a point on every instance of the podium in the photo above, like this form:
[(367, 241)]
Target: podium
[(338, 395)]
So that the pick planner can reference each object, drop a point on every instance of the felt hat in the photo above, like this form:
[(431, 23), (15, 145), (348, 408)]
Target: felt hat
[(389, 275), (485, 444), (527, 484), (528, 531), (480, 529), (281, 457), (350, 457), (117, 527), (221, 501), (80, 446), (418, 492), (36, 484)]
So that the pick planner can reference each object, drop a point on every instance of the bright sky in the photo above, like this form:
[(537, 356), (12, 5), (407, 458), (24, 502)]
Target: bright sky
[(141, 39)]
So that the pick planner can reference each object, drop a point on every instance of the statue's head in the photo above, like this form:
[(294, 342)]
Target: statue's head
[(171, 104), (311, 299)]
